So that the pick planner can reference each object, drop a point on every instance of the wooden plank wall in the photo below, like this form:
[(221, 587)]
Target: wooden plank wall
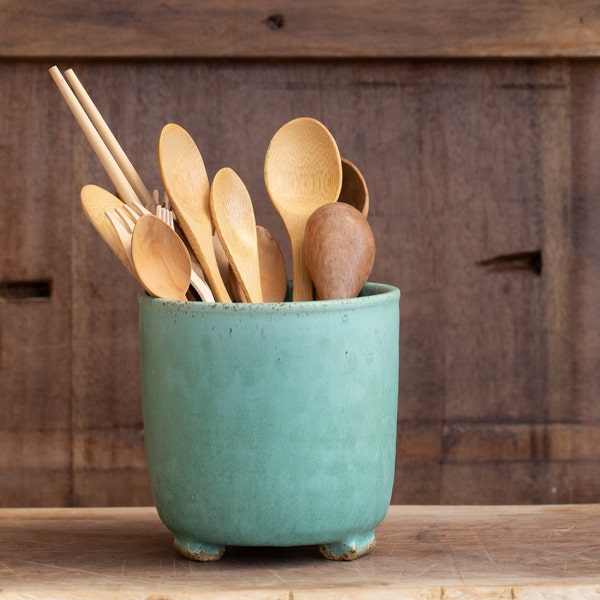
[(477, 130)]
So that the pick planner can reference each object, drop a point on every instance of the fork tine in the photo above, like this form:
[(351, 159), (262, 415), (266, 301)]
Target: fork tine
[(165, 215), (125, 220), (130, 213), (124, 234)]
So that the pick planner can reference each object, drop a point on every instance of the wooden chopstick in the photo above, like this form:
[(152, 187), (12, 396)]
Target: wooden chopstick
[(116, 175), (109, 139)]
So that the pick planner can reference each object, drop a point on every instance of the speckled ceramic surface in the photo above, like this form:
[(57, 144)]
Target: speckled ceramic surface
[(271, 424)]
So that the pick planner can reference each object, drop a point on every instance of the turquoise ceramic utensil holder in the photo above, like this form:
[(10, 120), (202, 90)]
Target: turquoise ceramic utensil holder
[(271, 424)]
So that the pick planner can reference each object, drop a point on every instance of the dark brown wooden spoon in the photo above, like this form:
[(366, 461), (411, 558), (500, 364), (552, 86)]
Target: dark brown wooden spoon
[(354, 188), (339, 250)]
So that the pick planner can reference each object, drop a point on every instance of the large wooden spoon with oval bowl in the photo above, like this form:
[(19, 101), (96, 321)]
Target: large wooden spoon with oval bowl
[(161, 259), (339, 248), (185, 179), (354, 188), (96, 202), (303, 171), (233, 216)]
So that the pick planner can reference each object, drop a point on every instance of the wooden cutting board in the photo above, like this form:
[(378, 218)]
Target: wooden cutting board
[(432, 552)]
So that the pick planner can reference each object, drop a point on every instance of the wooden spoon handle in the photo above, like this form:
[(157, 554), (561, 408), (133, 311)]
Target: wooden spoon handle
[(209, 264), (199, 236), (201, 287), (302, 289)]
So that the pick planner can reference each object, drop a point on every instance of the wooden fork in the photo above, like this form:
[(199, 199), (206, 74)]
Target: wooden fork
[(123, 221)]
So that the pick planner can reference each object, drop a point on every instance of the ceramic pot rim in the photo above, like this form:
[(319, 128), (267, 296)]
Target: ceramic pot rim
[(372, 294)]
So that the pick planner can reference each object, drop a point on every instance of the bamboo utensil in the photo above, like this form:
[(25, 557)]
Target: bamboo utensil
[(124, 230), (339, 250), (273, 273), (225, 269), (109, 139), (168, 216), (124, 221), (354, 188), (302, 171), (197, 281), (160, 258), (235, 224), (185, 179), (116, 175), (96, 201)]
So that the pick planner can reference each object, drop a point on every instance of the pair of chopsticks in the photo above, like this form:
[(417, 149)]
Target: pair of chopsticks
[(111, 155)]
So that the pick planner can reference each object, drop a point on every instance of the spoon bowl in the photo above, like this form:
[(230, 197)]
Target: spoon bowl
[(96, 202), (354, 188), (233, 216), (303, 171), (184, 176), (161, 259), (339, 250)]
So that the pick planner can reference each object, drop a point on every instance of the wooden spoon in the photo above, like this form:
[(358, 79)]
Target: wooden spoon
[(339, 250), (160, 258), (224, 267), (96, 201), (354, 188), (273, 273), (185, 179), (233, 216), (303, 171)]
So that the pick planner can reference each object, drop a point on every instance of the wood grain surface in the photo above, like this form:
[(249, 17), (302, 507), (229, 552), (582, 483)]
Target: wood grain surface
[(422, 552), (263, 29), (483, 181)]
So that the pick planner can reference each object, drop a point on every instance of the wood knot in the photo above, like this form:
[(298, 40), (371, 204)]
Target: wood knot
[(275, 21), (519, 261)]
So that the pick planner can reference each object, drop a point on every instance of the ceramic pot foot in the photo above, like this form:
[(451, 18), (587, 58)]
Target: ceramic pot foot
[(198, 550), (352, 547)]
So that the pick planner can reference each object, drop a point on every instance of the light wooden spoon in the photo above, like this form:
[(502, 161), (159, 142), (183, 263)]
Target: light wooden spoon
[(185, 179), (160, 258), (354, 188), (303, 171), (339, 250), (96, 202), (273, 273), (233, 216)]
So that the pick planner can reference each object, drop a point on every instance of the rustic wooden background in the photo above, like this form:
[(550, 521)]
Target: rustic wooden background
[(477, 127)]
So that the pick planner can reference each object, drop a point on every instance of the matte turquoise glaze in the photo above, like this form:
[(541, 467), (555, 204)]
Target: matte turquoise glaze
[(271, 424)]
